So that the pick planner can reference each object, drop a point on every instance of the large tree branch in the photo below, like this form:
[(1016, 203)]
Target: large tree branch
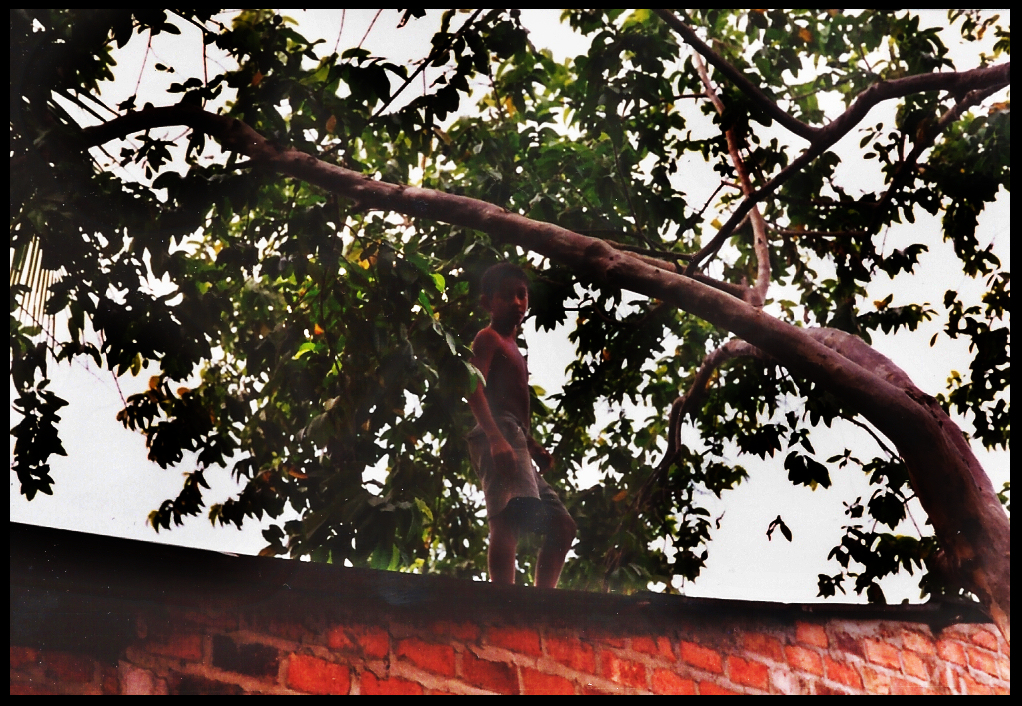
[(973, 529)]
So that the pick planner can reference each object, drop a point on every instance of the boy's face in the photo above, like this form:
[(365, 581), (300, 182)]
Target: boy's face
[(509, 303)]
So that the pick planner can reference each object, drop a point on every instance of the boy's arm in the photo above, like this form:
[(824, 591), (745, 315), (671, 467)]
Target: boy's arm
[(543, 458), (483, 349)]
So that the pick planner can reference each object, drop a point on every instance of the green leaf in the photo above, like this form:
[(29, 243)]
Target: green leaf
[(303, 349), (424, 301)]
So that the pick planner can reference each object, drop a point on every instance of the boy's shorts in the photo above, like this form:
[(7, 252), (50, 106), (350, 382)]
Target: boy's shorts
[(524, 494)]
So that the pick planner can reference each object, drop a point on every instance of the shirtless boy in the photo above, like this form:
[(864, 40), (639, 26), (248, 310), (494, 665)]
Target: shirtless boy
[(517, 497)]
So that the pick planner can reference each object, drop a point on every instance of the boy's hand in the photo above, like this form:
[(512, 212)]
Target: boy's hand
[(503, 454), (543, 458)]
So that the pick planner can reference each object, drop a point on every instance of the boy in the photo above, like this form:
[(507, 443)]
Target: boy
[(500, 446)]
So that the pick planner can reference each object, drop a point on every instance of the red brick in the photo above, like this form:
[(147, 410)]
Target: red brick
[(875, 682), (763, 645), (493, 676), (848, 644), (317, 676), (804, 660), (882, 653), (182, 646), (20, 656), (536, 682), (951, 651), (337, 639), (701, 657), (843, 673), (971, 686), (395, 686), (903, 686), (749, 673), (69, 667), (606, 640), (659, 646), (520, 640), (370, 641), (667, 682), (375, 642), (110, 682), (438, 659), (135, 681), (708, 688), (811, 634), (466, 632), (915, 666), (917, 642), (981, 660), (623, 671), (984, 638), (572, 653), (957, 632)]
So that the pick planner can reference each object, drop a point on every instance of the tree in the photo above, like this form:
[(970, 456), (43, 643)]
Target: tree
[(325, 303)]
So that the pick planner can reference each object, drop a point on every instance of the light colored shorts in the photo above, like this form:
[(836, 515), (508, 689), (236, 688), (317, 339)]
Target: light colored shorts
[(524, 493)]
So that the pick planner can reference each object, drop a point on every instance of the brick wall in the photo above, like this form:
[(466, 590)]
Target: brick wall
[(190, 622)]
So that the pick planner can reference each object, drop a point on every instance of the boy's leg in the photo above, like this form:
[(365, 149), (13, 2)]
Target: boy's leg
[(560, 533), (503, 548)]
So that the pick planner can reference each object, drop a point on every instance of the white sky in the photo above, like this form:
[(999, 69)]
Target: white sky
[(105, 484)]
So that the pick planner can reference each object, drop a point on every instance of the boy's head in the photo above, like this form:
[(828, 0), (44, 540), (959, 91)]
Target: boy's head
[(495, 276), (505, 292)]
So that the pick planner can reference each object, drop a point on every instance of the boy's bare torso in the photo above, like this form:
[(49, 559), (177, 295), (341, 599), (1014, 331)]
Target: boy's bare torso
[(507, 381)]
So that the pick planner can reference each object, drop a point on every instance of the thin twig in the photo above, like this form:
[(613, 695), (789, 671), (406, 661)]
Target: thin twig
[(743, 209), (422, 67), (364, 36), (876, 438), (763, 101), (823, 138), (757, 293), (905, 171), (74, 99), (707, 204), (628, 195), (145, 58), (344, 13)]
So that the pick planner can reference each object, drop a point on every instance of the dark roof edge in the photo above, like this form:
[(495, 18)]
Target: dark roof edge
[(47, 561)]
